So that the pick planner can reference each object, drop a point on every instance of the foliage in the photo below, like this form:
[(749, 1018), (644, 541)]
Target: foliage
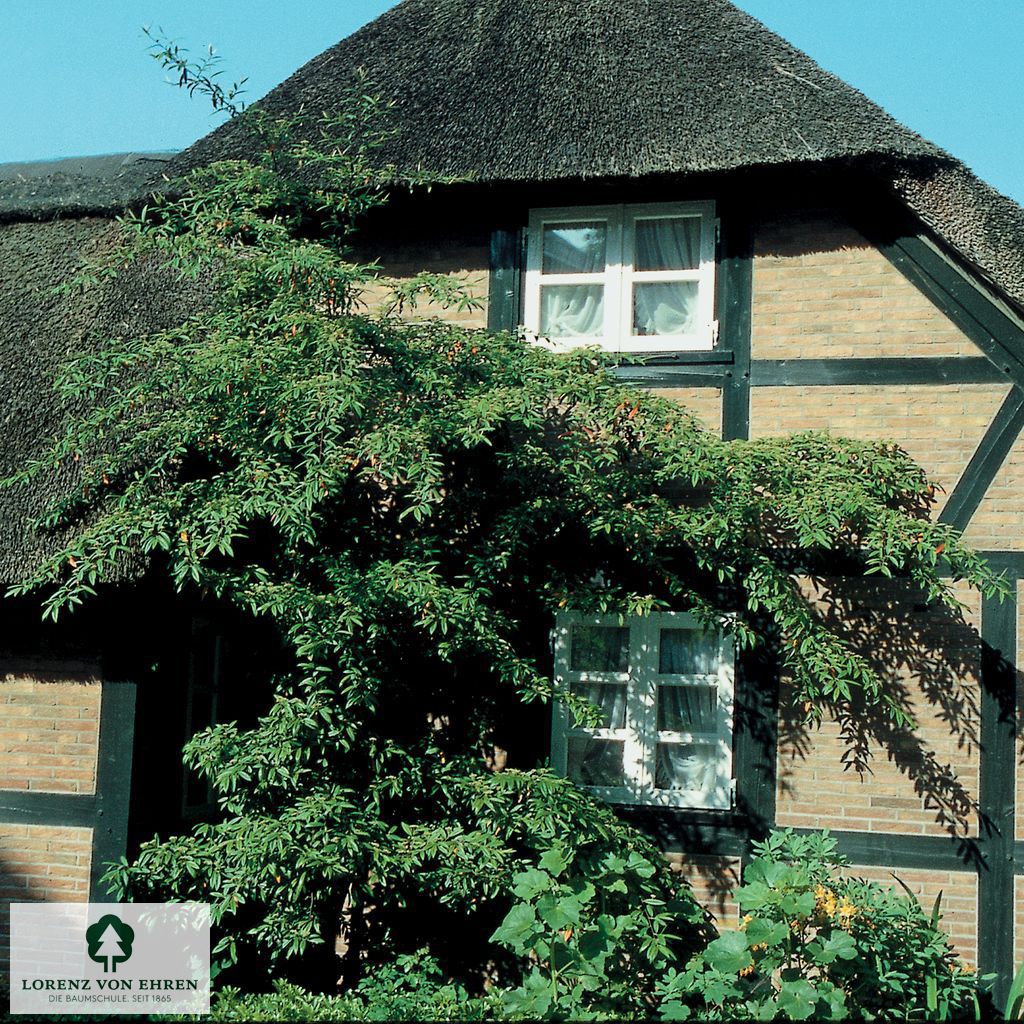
[(597, 933), (1014, 1007), (815, 943), (406, 505), (412, 988)]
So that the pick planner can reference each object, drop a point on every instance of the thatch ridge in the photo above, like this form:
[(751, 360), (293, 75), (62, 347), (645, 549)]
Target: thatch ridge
[(78, 186)]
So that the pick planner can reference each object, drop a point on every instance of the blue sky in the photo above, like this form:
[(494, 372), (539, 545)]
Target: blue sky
[(77, 78)]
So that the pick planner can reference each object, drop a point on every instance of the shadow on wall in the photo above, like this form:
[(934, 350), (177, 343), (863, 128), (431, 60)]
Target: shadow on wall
[(16, 886), (857, 762)]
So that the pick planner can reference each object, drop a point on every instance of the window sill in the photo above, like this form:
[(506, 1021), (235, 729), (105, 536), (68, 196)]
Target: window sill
[(706, 357)]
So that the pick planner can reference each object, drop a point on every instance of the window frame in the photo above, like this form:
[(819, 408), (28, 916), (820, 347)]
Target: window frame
[(640, 735), (620, 275)]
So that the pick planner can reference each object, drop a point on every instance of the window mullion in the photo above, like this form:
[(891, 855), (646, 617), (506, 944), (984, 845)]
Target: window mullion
[(613, 280), (647, 723), (633, 751), (624, 283)]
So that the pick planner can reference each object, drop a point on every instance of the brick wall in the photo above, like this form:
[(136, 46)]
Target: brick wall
[(997, 522), (1018, 919), (41, 862), (468, 261), (49, 726), (939, 426), (854, 770), (49, 735), (712, 880), (704, 403), (821, 291)]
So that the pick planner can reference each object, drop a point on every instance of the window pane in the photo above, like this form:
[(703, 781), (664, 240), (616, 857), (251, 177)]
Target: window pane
[(688, 652), (600, 649), (689, 766), (572, 310), (687, 708), (667, 243), (610, 698), (574, 248), (664, 308), (595, 762)]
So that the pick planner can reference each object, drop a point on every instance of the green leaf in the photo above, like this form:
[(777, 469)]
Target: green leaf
[(839, 945), (519, 926), (559, 912), (729, 953), (530, 883), (797, 999), (762, 931), (553, 862)]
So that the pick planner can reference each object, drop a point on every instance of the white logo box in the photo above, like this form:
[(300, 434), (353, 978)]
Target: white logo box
[(110, 958)]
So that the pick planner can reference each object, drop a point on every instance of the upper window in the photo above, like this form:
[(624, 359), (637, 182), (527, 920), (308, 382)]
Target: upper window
[(664, 687), (627, 278)]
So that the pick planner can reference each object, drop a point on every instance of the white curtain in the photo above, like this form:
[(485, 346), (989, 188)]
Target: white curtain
[(687, 708), (595, 762), (668, 243), (664, 308), (670, 307), (575, 248), (572, 311), (686, 766), (688, 652)]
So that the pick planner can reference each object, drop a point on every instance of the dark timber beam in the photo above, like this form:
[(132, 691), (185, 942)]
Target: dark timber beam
[(734, 296), (35, 808), (815, 372), (997, 786), (893, 850), (976, 479), (505, 281), (988, 322), (113, 782)]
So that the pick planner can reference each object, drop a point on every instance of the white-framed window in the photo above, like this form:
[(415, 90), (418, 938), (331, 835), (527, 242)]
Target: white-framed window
[(637, 278), (665, 688)]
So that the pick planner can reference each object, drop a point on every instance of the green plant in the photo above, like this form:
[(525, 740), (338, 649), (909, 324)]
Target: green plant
[(1014, 1008), (406, 506), (815, 943), (597, 932), (411, 988)]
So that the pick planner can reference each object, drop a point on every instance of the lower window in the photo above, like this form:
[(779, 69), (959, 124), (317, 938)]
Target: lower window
[(664, 687)]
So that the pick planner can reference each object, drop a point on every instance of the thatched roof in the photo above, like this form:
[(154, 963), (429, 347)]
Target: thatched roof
[(77, 186), (537, 90), (39, 330)]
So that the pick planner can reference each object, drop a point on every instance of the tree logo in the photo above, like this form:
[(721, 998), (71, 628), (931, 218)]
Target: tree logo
[(110, 942)]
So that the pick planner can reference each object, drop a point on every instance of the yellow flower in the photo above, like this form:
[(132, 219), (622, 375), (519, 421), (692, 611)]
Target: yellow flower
[(747, 918), (846, 911), (825, 901)]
